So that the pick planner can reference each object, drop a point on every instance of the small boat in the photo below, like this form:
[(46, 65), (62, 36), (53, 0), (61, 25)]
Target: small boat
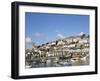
[(28, 66), (74, 59), (84, 58)]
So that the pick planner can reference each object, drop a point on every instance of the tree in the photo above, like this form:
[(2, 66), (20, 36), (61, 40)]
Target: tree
[(83, 36)]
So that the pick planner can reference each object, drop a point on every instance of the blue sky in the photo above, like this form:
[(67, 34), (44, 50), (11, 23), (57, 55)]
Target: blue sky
[(45, 27)]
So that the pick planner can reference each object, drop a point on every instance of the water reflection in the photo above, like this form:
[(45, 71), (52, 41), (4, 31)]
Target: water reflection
[(61, 63)]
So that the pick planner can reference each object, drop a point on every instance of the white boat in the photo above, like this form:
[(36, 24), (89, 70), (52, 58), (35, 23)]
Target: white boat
[(28, 66), (74, 59)]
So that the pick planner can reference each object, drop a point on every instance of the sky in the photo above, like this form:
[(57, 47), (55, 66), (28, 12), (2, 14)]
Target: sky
[(41, 28)]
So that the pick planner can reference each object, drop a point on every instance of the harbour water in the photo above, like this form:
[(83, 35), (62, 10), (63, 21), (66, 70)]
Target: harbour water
[(61, 63)]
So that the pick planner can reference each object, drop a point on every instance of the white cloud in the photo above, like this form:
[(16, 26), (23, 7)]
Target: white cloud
[(37, 34), (57, 31), (60, 35), (81, 33), (28, 40)]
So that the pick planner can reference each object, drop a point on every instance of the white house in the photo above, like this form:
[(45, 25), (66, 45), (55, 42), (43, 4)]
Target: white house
[(60, 42), (86, 45), (85, 50), (72, 46), (83, 41), (69, 40), (53, 43), (75, 40)]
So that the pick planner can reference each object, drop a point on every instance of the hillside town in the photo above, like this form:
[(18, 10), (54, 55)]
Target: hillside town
[(69, 51)]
